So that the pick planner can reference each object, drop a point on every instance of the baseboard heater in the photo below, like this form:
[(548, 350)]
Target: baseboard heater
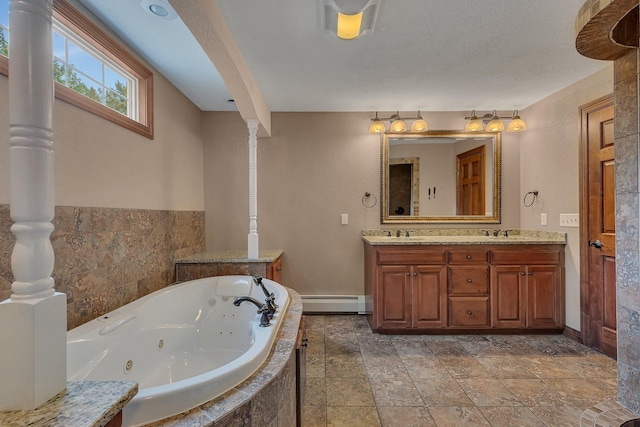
[(333, 304)]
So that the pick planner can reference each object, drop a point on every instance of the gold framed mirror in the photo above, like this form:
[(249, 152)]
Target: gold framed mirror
[(437, 177)]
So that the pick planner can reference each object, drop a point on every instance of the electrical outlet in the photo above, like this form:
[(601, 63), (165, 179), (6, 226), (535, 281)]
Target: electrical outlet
[(569, 220), (543, 219)]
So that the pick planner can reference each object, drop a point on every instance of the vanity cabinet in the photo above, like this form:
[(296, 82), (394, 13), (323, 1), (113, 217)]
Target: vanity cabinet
[(464, 288), (468, 288), (411, 285), (527, 289)]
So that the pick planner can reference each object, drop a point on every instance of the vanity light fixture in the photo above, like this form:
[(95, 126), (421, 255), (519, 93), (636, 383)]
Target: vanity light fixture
[(516, 124), (474, 124), (348, 19), (494, 122), (398, 124)]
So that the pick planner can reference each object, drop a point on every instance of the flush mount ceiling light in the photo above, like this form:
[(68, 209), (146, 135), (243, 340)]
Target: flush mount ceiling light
[(348, 19), (494, 122), (159, 9), (398, 124)]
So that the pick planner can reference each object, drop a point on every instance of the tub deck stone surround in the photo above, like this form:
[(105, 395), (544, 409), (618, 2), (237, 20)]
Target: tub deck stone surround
[(226, 262), (81, 404)]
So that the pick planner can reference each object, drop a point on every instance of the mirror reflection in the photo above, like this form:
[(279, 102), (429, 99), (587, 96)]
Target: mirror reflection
[(441, 176)]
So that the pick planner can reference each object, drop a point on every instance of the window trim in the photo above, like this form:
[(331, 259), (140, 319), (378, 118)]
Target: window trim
[(75, 21)]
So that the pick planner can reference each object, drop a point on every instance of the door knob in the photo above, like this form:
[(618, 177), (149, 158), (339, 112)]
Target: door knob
[(596, 244)]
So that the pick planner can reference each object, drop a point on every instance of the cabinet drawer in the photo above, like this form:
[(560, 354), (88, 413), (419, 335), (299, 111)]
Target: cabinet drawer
[(469, 311), (526, 256), (469, 280), (469, 256), (410, 256)]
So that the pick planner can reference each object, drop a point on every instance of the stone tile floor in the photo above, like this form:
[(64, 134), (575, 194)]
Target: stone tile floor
[(358, 378)]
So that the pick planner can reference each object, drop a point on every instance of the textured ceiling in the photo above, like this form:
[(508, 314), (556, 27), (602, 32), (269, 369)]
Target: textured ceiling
[(431, 55)]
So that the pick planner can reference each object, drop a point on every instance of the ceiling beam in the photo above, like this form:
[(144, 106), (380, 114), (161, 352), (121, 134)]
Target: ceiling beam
[(205, 21)]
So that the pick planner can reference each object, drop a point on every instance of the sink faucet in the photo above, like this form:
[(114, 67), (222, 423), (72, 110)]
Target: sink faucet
[(496, 232), (506, 232), (398, 233), (263, 309), (406, 233)]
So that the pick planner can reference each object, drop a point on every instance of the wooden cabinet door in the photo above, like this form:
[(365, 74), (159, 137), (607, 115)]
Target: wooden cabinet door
[(544, 296), (274, 270), (508, 296), (428, 296), (393, 297)]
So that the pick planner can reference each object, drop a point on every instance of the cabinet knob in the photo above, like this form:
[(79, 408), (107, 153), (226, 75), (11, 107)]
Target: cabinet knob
[(408, 274), (531, 273), (469, 280), (415, 274), (279, 269), (522, 273), (469, 312), (469, 257)]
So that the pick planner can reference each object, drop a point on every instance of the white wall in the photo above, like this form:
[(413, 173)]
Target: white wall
[(549, 163), (100, 164), (315, 167)]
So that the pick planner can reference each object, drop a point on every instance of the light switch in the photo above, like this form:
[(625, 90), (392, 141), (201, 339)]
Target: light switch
[(344, 219), (543, 219)]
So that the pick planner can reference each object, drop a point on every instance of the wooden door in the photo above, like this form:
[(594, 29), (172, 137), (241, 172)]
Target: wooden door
[(400, 189), (470, 192), (393, 297), (508, 296), (543, 284), (598, 250), (428, 299)]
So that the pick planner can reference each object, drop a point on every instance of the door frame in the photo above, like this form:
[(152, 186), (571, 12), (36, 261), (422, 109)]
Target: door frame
[(585, 334)]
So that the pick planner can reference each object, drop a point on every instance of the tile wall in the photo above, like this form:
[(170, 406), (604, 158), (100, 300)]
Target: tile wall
[(106, 258), (627, 145)]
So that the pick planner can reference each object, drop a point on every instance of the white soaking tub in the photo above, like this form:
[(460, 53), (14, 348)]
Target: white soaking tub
[(184, 344)]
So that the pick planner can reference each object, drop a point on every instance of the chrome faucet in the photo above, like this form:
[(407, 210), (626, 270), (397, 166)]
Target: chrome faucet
[(506, 232), (263, 309), (496, 232), (398, 233)]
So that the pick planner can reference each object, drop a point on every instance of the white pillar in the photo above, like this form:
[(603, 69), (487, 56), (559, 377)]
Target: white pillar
[(252, 239), (33, 331)]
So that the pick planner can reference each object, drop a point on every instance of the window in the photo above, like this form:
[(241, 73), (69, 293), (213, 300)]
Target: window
[(4, 36), (92, 71)]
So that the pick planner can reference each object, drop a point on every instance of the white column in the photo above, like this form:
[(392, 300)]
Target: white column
[(252, 239), (34, 320)]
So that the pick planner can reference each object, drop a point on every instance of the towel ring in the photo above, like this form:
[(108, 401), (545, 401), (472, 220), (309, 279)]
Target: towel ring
[(367, 195), (533, 199)]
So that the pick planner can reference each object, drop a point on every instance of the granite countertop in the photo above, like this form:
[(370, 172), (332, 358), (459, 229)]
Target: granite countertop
[(81, 404), (463, 237), (268, 255)]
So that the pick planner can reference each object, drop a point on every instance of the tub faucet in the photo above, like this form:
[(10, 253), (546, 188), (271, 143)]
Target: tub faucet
[(270, 300), (263, 309)]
